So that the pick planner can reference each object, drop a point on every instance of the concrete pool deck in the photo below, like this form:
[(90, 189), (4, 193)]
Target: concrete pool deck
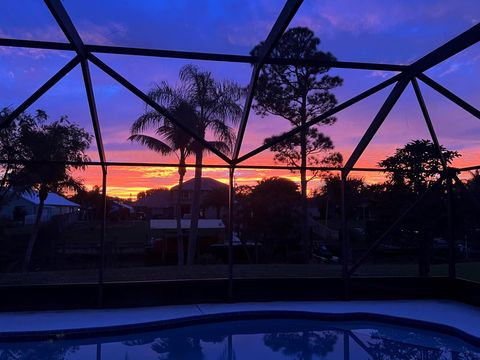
[(460, 316)]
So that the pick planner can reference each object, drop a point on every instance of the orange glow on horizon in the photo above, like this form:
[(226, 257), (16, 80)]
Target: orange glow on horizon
[(124, 182)]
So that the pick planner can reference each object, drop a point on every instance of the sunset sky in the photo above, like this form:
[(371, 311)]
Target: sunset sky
[(396, 31)]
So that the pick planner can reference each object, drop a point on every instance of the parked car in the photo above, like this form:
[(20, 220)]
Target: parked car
[(322, 253)]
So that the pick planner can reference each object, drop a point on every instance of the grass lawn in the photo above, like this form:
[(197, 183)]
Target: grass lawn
[(468, 271), (122, 232)]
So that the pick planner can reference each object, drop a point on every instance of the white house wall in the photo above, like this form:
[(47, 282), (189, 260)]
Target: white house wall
[(6, 211)]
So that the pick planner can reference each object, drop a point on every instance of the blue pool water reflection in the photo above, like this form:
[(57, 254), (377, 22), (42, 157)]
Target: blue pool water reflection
[(256, 339)]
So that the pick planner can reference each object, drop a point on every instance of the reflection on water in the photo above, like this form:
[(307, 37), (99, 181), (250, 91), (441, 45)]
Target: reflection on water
[(256, 339)]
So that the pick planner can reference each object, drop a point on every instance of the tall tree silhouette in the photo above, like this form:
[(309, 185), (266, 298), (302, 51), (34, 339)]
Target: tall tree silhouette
[(60, 141), (178, 347), (415, 165), (332, 193), (11, 147), (474, 182), (51, 350), (216, 105), (380, 347), (271, 203), (298, 94), (217, 198), (303, 344), (173, 141)]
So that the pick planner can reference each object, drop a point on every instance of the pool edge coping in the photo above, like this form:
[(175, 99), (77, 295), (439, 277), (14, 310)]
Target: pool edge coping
[(225, 316)]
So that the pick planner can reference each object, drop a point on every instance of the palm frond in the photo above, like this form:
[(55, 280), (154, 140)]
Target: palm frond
[(152, 143), (166, 96), (149, 119), (220, 146), (222, 131), (69, 183)]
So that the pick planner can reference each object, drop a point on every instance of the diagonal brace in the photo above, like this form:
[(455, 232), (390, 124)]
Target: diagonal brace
[(319, 118), (393, 226), (144, 97), (286, 15), (377, 122), (450, 95), (42, 90), (429, 123)]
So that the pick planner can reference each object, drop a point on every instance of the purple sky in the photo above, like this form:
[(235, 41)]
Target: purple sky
[(370, 30)]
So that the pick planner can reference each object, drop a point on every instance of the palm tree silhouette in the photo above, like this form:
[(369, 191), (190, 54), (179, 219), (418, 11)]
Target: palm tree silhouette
[(175, 141), (217, 198), (303, 344), (216, 106), (178, 347)]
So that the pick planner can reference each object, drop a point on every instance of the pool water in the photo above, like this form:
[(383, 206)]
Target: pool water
[(256, 339)]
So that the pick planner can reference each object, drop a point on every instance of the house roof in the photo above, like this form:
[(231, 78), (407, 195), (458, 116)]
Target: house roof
[(123, 205), (207, 184), (169, 224), (51, 200), (158, 199)]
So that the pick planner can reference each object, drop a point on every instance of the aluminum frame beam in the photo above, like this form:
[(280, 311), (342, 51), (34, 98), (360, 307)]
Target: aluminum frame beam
[(428, 121), (382, 114), (231, 220), (452, 271), (450, 95), (174, 54), (210, 166), (93, 109), (246, 111), (145, 98), (36, 44), (447, 50), (344, 235), (190, 165), (286, 15), (470, 168), (392, 227), (63, 20), (288, 12), (40, 91), (65, 23), (317, 119)]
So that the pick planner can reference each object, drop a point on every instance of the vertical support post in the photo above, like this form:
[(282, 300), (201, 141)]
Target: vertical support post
[(346, 346), (231, 198), (344, 232), (103, 228), (451, 228), (99, 352), (230, 347)]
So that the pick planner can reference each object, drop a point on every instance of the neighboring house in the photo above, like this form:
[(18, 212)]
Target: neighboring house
[(208, 185), (170, 225), (161, 204), (156, 205), (25, 206), (120, 211), (164, 234)]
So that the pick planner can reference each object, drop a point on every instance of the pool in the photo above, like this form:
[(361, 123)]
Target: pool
[(264, 335)]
